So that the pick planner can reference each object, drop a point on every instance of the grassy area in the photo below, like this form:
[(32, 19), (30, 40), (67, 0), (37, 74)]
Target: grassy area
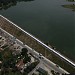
[(34, 44), (70, 6)]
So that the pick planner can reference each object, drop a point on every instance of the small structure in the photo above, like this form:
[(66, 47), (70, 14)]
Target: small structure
[(42, 71), (20, 64), (16, 48), (0, 62), (2, 41)]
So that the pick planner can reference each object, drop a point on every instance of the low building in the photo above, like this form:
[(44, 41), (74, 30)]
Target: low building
[(20, 65)]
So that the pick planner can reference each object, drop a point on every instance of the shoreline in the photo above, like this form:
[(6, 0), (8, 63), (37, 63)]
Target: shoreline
[(34, 40)]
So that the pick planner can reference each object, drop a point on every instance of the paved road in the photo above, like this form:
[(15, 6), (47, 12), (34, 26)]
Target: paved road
[(45, 61)]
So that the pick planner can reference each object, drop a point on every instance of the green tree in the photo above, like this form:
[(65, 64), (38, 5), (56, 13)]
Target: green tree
[(24, 51), (26, 59)]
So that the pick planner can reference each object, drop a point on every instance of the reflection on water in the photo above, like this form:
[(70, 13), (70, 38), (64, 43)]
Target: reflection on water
[(70, 0), (70, 6), (5, 4)]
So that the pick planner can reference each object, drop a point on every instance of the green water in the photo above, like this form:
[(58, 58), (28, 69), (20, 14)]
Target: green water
[(48, 20)]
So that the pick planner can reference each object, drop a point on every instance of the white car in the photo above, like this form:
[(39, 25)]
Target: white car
[(40, 54)]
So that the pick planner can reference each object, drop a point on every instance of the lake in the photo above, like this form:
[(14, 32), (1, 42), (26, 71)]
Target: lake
[(47, 20)]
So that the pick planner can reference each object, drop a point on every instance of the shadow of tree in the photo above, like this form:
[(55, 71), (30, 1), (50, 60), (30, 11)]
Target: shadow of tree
[(5, 4), (71, 0)]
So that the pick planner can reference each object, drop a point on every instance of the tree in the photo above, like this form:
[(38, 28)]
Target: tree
[(26, 59), (25, 73), (24, 51), (33, 74), (0, 56)]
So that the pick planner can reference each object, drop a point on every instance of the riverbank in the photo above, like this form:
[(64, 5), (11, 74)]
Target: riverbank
[(26, 39), (70, 6)]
